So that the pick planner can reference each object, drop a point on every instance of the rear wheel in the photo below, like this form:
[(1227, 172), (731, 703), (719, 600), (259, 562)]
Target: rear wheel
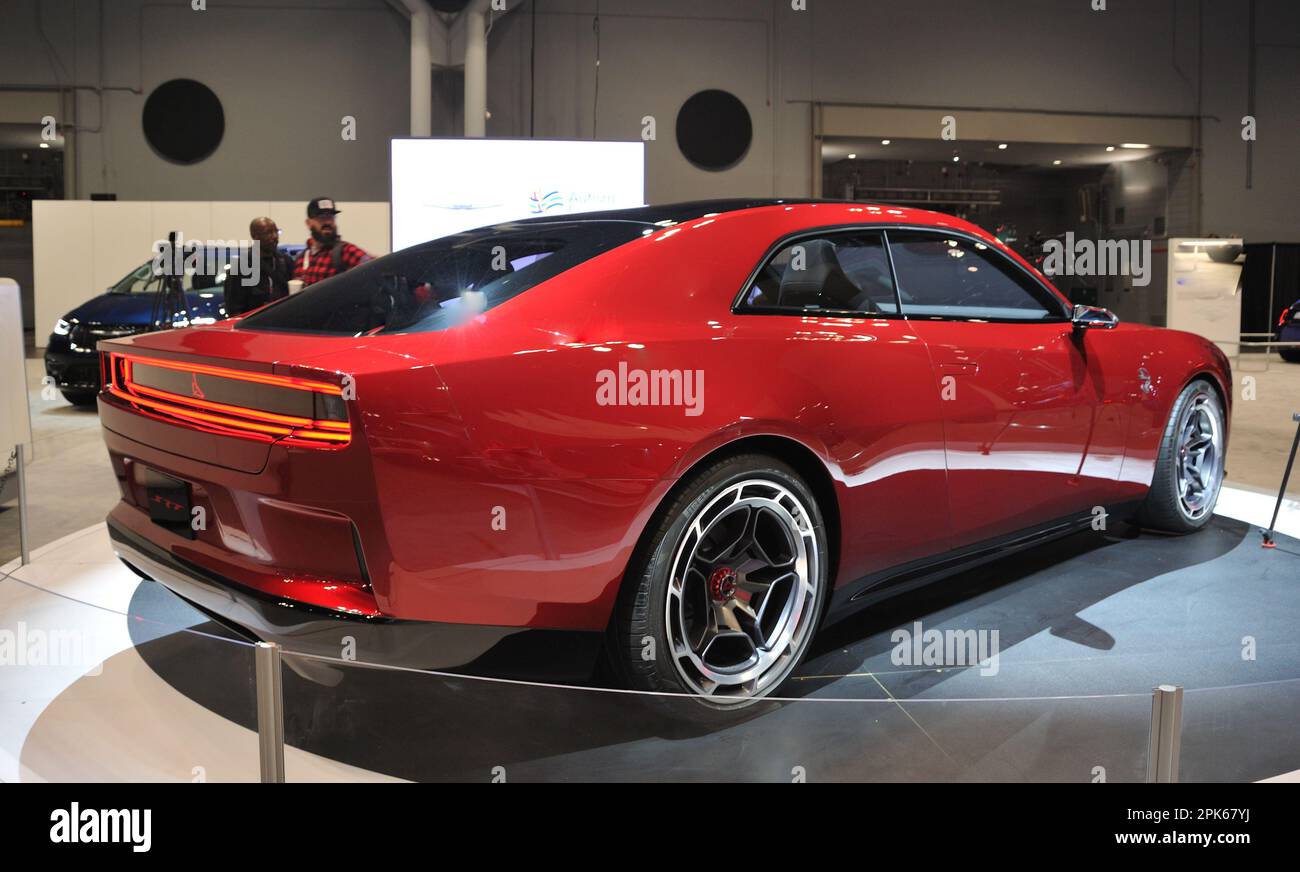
[(1290, 355), (1189, 470), (729, 586)]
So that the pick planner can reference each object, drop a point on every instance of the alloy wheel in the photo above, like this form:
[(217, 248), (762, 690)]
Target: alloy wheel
[(1198, 467), (743, 591)]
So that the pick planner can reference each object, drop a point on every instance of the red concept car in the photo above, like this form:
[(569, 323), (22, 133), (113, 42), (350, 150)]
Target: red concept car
[(678, 437)]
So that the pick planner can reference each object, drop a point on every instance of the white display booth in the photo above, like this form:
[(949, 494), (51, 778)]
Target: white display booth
[(1204, 289), (1195, 286), (15, 418)]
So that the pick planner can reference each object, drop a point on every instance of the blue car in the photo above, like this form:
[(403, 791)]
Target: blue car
[(124, 309), (1288, 330)]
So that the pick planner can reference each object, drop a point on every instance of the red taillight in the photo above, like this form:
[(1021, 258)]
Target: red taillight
[(296, 411), (1284, 317)]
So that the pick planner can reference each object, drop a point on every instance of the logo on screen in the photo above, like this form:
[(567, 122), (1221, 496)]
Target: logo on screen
[(539, 202)]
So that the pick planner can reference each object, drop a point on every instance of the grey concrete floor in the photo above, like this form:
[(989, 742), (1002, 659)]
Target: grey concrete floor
[(1262, 429), (71, 486)]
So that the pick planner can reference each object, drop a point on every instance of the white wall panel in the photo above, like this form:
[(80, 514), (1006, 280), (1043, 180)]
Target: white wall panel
[(229, 219), (289, 217), (366, 225), (118, 229), (63, 260), (192, 219)]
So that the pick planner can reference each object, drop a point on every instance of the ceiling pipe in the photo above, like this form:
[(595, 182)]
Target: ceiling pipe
[(421, 66), (476, 67)]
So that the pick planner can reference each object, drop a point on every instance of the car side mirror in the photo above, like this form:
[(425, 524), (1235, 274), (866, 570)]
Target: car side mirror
[(1092, 318)]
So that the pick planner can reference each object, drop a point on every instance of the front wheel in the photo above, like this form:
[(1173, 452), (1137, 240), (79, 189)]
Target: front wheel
[(1189, 470), (728, 586)]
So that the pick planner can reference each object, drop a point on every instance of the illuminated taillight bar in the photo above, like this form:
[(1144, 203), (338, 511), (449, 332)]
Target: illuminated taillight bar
[(282, 381), (226, 418)]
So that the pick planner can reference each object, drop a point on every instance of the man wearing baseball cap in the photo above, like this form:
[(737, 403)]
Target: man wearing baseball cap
[(325, 255)]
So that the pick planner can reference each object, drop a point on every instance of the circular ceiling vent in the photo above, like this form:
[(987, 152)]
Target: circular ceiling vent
[(714, 130), (183, 121)]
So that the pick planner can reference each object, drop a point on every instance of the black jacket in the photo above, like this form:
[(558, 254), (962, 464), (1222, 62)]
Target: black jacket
[(273, 283)]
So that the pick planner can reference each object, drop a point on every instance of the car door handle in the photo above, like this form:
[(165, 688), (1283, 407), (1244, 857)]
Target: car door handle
[(959, 368)]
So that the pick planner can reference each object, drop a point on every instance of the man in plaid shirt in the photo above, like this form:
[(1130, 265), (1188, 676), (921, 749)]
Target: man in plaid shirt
[(325, 255)]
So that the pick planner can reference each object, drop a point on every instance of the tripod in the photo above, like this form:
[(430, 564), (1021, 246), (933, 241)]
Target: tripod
[(170, 303), (1290, 461)]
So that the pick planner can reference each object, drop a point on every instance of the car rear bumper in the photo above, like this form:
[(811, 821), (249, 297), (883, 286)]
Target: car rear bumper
[(508, 652), (73, 372)]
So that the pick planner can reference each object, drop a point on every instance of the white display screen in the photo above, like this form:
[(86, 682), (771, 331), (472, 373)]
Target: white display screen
[(444, 186)]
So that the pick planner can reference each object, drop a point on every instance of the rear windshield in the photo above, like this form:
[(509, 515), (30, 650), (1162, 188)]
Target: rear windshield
[(442, 283)]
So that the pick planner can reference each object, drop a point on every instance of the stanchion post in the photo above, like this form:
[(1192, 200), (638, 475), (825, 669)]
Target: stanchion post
[(24, 538), (270, 712), (1281, 492), (1166, 734)]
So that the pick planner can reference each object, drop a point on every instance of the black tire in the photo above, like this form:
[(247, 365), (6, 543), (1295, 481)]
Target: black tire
[(1165, 508), (643, 611), (81, 399), (1290, 355)]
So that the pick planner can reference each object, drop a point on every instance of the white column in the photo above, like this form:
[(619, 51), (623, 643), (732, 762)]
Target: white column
[(476, 68), (421, 67)]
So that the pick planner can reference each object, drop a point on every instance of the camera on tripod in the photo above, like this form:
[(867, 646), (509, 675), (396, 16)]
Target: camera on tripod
[(171, 308)]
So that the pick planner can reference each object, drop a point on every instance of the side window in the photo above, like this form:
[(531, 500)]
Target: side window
[(942, 276), (842, 272)]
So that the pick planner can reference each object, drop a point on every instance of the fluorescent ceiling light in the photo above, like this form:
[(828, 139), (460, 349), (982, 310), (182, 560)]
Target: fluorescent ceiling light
[(1133, 145)]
